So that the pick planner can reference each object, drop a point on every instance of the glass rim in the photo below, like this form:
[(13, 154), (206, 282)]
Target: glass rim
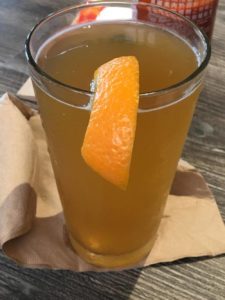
[(168, 89)]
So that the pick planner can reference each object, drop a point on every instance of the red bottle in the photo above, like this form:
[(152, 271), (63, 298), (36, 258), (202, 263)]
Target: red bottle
[(202, 12)]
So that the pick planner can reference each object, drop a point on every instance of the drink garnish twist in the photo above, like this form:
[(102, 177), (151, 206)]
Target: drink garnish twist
[(109, 138)]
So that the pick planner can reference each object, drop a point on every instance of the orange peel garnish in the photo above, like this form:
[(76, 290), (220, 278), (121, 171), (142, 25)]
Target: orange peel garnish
[(108, 142)]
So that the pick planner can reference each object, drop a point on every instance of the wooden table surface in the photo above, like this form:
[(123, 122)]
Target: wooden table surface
[(199, 278)]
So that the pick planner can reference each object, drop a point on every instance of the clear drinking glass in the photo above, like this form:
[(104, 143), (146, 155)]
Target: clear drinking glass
[(107, 226)]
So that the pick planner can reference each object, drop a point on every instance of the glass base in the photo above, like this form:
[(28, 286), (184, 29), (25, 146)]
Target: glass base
[(112, 261)]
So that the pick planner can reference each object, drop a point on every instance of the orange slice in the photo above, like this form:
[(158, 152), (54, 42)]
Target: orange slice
[(109, 138)]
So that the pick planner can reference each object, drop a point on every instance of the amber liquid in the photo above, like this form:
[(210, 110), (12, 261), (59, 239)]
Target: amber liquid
[(107, 226)]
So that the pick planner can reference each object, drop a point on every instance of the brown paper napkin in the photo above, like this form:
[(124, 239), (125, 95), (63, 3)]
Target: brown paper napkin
[(31, 222)]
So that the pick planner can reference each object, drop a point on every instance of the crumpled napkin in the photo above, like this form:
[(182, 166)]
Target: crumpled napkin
[(32, 228)]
